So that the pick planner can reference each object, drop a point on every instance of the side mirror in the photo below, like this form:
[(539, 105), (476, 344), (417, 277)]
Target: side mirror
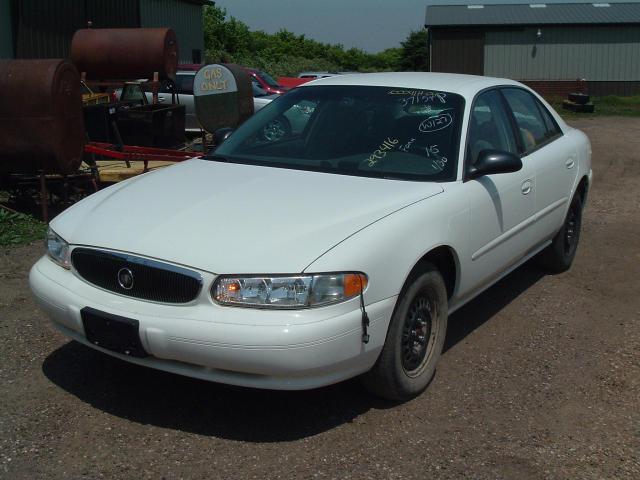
[(221, 134), (494, 161)]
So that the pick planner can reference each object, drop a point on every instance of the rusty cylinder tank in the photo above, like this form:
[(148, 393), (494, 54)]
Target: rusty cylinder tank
[(125, 53), (41, 121)]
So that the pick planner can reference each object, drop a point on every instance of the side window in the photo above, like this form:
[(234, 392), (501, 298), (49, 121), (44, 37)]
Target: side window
[(552, 127), (489, 127), (258, 91), (185, 84), (532, 127)]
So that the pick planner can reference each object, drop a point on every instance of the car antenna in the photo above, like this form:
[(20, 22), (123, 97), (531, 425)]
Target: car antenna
[(365, 317)]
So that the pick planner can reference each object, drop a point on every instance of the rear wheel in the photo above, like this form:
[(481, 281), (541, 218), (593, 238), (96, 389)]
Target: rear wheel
[(559, 256), (414, 340)]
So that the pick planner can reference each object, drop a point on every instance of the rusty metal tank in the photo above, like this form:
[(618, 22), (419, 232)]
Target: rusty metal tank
[(41, 120), (125, 53)]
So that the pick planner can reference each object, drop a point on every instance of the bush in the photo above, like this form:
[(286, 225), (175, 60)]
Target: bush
[(17, 228), (284, 53)]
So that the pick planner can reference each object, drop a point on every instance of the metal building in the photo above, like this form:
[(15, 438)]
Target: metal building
[(548, 46), (43, 28)]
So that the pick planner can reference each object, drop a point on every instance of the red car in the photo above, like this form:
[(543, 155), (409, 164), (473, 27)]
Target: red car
[(265, 81), (190, 67)]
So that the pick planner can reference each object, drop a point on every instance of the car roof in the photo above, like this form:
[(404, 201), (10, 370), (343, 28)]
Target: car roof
[(319, 73), (447, 82)]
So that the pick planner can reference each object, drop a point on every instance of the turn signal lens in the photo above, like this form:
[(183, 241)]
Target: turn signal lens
[(354, 283)]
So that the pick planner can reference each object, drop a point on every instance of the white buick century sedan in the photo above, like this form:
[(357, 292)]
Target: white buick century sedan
[(335, 248)]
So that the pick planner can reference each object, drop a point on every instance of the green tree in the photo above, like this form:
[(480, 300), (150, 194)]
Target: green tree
[(414, 55), (284, 53)]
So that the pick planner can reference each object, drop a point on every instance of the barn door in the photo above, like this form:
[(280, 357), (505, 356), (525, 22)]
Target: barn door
[(457, 51)]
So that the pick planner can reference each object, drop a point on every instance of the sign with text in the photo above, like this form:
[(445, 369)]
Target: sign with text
[(223, 96), (214, 79)]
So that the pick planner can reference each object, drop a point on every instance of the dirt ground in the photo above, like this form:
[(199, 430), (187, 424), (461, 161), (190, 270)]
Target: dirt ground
[(540, 379)]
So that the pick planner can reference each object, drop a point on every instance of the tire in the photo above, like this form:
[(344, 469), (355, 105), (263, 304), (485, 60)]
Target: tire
[(578, 107), (579, 98), (276, 129), (558, 256), (405, 367)]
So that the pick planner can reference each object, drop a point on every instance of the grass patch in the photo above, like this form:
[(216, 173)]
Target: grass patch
[(18, 228), (610, 105)]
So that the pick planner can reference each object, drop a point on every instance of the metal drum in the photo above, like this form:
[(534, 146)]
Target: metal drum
[(125, 53), (41, 120)]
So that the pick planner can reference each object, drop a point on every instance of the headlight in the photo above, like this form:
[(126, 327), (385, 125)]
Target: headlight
[(58, 249), (288, 291)]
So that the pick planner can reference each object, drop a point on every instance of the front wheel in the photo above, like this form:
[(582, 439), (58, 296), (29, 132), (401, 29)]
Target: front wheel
[(559, 256), (414, 341)]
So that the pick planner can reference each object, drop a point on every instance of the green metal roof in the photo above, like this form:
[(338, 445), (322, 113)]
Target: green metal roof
[(532, 14)]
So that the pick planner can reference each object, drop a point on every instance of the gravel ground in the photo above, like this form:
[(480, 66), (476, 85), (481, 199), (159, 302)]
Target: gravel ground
[(540, 379)]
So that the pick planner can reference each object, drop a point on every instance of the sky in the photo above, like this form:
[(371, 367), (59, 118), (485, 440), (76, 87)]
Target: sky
[(371, 25)]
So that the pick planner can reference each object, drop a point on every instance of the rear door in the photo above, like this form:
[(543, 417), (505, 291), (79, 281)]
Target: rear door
[(552, 155)]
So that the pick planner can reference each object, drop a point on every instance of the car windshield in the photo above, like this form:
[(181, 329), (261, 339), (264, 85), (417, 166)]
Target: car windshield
[(258, 91), (268, 79), (354, 130)]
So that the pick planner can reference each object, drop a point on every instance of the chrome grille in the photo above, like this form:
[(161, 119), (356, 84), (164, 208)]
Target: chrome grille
[(150, 279)]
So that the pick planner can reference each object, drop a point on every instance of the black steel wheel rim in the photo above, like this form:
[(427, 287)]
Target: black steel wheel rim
[(416, 334), (571, 231)]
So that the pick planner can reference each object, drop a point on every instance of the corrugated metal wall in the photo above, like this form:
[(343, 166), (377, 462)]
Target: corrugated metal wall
[(457, 50), (45, 28), (184, 17), (112, 13), (6, 30), (597, 53)]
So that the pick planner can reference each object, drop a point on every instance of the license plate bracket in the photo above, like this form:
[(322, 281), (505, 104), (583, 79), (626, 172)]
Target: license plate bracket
[(115, 333)]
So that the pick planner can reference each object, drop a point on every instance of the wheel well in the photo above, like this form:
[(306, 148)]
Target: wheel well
[(583, 189), (443, 258)]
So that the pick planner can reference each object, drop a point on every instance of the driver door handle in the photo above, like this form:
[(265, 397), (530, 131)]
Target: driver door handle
[(526, 187)]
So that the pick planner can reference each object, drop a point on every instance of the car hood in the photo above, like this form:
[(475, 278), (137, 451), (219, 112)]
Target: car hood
[(233, 218)]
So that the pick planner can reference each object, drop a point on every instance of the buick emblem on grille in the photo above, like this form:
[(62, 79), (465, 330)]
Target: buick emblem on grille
[(125, 278)]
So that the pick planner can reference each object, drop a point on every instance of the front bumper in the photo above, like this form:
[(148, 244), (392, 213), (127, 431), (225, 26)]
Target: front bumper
[(289, 350)]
